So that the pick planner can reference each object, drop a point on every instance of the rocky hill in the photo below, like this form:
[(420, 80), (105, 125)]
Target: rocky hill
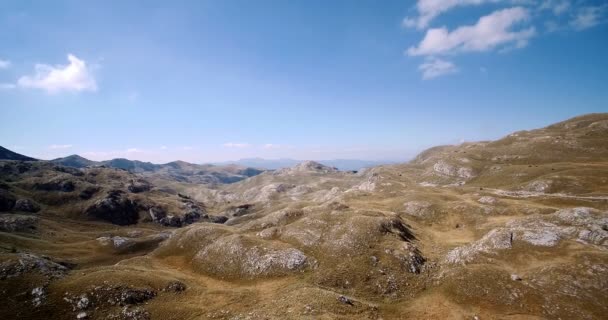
[(510, 229)]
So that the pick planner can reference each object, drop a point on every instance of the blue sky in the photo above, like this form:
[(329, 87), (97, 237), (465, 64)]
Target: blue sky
[(221, 80)]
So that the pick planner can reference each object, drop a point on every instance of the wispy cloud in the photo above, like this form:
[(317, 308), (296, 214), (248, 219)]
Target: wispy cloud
[(489, 32), (236, 145), (60, 146), (430, 9), (588, 17), (134, 150), (272, 146), (434, 67), (4, 64), (75, 76), (558, 7)]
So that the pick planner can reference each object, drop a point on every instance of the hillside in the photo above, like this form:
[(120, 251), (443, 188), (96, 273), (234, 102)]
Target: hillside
[(515, 228), (6, 154)]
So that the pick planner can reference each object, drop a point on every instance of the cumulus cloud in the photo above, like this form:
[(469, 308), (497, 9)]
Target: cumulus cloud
[(430, 9), (76, 76), (60, 146), (236, 145), (488, 33), (588, 17), (4, 64), (434, 67)]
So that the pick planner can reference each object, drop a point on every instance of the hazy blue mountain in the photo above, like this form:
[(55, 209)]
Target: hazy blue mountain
[(273, 164)]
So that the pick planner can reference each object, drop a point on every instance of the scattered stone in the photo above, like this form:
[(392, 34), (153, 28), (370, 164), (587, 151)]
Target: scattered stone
[(116, 242), (515, 277), (83, 303), (39, 295), (82, 315), (487, 200), (136, 296), (345, 300), (175, 286), (136, 313)]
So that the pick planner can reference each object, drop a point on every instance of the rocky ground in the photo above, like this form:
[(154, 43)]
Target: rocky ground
[(511, 229)]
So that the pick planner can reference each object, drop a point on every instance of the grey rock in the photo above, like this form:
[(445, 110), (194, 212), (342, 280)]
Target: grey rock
[(26, 205)]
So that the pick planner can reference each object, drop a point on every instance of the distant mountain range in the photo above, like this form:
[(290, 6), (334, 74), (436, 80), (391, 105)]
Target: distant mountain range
[(274, 164), (175, 171), (223, 172)]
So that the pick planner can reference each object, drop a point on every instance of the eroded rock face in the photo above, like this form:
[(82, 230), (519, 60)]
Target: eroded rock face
[(26, 205), (583, 224), (240, 256), (24, 262), (116, 208), (494, 240), (17, 223), (443, 168)]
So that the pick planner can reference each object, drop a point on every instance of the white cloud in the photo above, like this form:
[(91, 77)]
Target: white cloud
[(588, 17), (558, 7), (236, 145), (488, 33), (134, 150), (430, 9), (434, 67), (163, 147), (60, 146), (75, 76), (272, 146), (4, 64), (7, 86)]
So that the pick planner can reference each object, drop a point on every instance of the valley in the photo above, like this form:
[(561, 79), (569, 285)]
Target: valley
[(515, 228)]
